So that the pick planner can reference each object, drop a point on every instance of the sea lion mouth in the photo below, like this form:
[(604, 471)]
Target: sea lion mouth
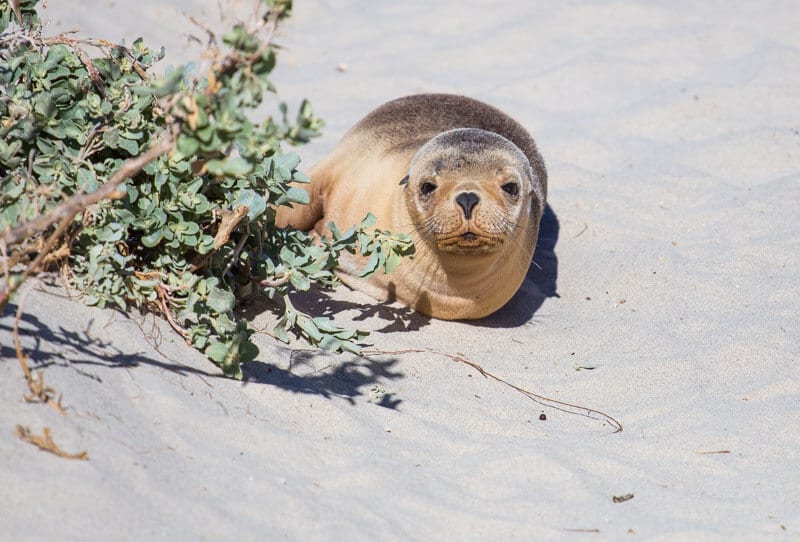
[(469, 243)]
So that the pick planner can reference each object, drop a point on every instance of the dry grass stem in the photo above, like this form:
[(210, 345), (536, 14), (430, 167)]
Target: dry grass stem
[(45, 442), (535, 397), (39, 391)]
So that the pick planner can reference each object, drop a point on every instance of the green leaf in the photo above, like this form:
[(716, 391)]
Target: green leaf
[(187, 145), (110, 233), (220, 300), (236, 166), (392, 261), (129, 145), (154, 238), (285, 164), (368, 221), (349, 346), (255, 203), (309, 328), (300, 281), (87, 180), (372, 265), (247, 351), (293, 194), (215, 167), (280, 331), (217, 351), (334, 231), (166, 86)]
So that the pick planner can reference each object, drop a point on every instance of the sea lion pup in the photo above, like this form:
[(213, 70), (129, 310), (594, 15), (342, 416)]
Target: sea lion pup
[(459, 176)]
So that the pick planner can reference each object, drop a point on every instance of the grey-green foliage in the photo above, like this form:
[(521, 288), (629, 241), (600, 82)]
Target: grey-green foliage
[(65, 129), (27, 10)]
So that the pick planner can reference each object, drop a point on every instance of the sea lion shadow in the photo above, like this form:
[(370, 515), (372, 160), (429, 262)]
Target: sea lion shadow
[(539, 283)]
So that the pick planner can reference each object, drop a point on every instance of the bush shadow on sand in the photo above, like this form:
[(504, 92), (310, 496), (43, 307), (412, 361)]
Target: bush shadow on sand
[(46, 345), (315, 372)]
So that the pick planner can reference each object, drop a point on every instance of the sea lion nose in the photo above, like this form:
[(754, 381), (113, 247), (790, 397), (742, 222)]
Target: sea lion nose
[(467, 200)]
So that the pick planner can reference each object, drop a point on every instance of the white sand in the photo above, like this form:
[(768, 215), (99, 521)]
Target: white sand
[(671, 138)]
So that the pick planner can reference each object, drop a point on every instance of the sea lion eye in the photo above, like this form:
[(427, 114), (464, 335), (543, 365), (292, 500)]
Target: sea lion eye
[(512, 189), (426, 188)]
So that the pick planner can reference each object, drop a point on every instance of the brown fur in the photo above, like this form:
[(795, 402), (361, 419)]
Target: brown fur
[(464, 267)]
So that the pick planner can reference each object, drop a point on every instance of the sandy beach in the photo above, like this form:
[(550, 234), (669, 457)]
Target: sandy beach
[(665, 294)]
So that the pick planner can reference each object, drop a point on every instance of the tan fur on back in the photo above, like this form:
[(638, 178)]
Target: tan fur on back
[(464, 267)]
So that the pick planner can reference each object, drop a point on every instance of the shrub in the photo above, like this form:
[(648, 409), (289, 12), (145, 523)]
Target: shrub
[(160, 192)]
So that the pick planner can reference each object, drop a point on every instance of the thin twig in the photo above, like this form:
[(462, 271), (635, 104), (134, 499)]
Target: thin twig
[(163, 296), (39, 391), (554, 403), (45, 442), (16, 10), (541, 399), (6, 273), (277, 281), (229, 221), (91, 146), (394, 352), (236, 252), (212, 37)]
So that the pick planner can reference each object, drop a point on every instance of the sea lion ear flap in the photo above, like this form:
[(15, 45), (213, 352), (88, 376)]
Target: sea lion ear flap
[(404, 180)]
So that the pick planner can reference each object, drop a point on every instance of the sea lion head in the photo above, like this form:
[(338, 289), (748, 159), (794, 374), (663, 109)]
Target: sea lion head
[(471, 192)]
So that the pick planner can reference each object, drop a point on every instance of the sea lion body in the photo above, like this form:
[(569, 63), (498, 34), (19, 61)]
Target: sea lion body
[(462, 178)]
